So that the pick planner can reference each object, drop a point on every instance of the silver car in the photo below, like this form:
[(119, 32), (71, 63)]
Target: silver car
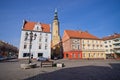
[(42, 59)]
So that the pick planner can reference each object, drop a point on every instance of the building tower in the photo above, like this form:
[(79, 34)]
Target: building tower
[(55, 30), (55, 36)]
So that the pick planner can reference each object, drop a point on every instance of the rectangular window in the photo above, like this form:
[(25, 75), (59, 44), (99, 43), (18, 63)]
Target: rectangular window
[(83, 41), (40, 39), (45, 46), (83, 46), (105, 42), (73, 47), (46, 34), (88, 41), (73, 55), (40, 34), (100, 45), (66, 55), (101, 54), (26, 36), (88, 54), (96, 41), (26, 54), (30, 46), (88, 45), (111, 50), (78, 47), (110, 45), (94, 55), (106, 50), (40, 54), (25, 39), (98, 54), (83, 55), (39, 46), (97, 45), (106, 46), (78, 55), (46, 40), (25, 46)]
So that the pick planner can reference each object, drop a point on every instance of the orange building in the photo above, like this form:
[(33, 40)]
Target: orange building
[(82, 45)]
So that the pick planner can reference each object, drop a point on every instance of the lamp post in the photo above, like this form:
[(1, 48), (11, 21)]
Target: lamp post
[(32, 37)]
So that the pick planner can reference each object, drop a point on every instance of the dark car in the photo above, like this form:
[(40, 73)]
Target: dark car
[(42, 59), (2, 58)]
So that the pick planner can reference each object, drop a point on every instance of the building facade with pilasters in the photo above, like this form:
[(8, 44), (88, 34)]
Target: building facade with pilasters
[(93, 48)]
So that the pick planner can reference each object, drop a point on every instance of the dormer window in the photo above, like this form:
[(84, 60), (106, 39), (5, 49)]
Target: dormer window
[(38, 27)]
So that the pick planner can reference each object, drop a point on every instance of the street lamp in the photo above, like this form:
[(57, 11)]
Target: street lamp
[(32, 37)]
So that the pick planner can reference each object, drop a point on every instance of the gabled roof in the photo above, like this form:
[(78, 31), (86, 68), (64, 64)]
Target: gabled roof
[(115, 35), (80, 34), (30, 26)]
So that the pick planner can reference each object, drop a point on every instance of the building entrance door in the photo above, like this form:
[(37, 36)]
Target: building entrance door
[(40, 54)]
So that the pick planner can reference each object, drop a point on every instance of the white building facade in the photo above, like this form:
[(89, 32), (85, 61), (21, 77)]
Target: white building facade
[(40, 43), (116, 46), (112, 46), (108, 44)]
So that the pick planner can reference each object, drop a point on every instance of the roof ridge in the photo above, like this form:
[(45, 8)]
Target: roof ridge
[(29, 25), (35, 22), (113, 36), (80, 34)]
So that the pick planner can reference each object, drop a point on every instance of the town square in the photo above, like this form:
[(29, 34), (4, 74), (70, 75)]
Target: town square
[(60, 40), (73, 70)]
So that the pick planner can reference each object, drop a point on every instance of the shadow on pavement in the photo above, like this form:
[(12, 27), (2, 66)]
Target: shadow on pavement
[(11, 60), (111, 72)]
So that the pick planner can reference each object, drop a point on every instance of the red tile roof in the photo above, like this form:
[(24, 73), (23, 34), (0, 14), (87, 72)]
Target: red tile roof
[(115, 35), (80, 34), (30, 26)]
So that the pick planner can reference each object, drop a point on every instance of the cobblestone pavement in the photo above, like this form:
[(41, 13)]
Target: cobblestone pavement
[(73, 70)]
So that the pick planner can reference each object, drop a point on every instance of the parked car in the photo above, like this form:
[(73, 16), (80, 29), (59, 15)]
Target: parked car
[(11, 57), (2, 58), (42, 59)]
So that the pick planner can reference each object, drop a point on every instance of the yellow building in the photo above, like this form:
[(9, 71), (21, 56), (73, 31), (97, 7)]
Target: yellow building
[(93, 48), (56, 47)]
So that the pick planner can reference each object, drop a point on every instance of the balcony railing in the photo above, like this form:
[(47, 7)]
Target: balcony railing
[(116, 42), (116, 46), (117, 51)]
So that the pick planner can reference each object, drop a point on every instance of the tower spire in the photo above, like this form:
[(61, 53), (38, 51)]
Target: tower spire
[(55, 9), (56, 14)]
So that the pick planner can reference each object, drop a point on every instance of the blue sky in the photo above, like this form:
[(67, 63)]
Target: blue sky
[(98, 17)]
